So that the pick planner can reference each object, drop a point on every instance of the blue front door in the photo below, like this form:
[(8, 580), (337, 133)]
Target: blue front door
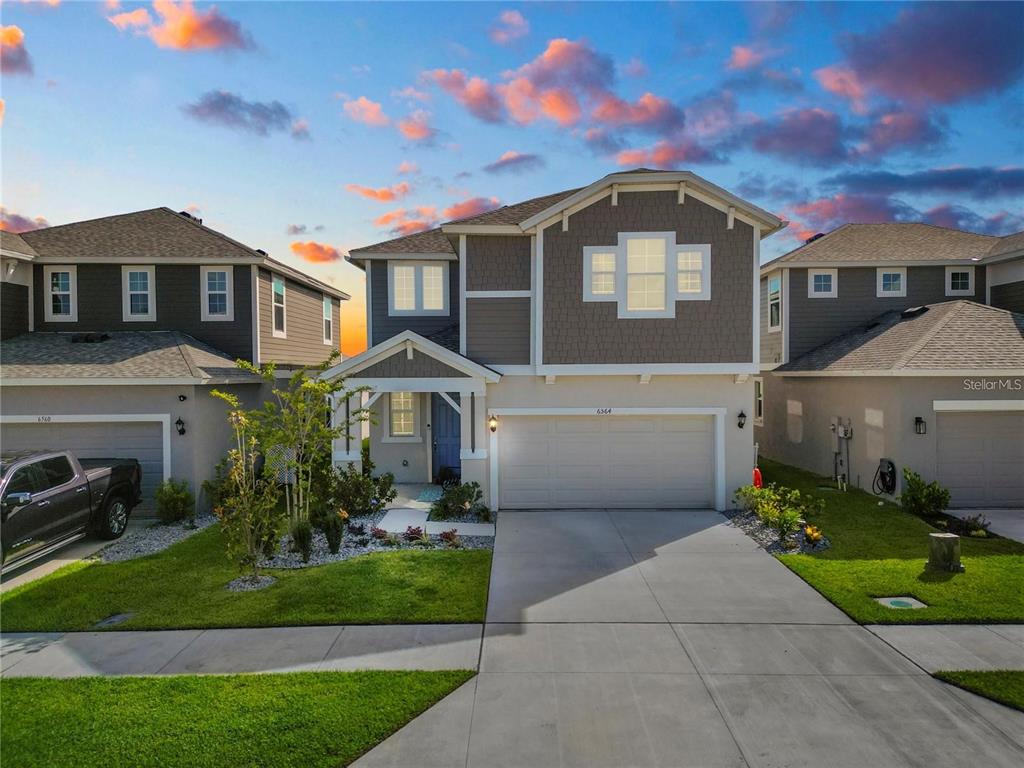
[(446, 428)]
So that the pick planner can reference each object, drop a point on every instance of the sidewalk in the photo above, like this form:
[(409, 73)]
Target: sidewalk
[(229, 651), (951, 647)]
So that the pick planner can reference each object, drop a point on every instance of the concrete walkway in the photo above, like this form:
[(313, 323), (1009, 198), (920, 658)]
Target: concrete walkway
[(949, 647), (656, 638)]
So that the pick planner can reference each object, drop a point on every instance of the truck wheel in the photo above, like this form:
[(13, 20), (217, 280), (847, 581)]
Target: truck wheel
[(114, 519)]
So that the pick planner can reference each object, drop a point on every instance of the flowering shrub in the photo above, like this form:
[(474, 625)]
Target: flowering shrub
[(412, 533), (812, 534), (451, 538), (460, 500), (780, 508), (378, 533)]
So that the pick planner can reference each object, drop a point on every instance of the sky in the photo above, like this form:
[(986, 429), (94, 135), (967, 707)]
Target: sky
[(309, 128)]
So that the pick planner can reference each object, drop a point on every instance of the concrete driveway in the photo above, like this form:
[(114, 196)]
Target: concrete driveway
[(666, 638), (1008, 523)]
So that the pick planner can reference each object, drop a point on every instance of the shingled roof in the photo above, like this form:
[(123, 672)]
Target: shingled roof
[(430, 241), (1005, 246), (952, 335), (14, 244), (117, 355), (893, 242)]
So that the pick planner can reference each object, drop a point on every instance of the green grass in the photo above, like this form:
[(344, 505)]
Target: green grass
[(1004, 686), (302, 719), (880, 551), (183, 588)]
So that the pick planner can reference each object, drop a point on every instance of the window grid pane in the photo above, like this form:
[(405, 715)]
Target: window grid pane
[(823, 283), (405, 288), (217, 304), (327, 309), (602, 283), (645, 255), (891, 281), (433, 287), (139, 303), (138, 281), (960, 281), (279, 318), (60, 304), (278, 291), (60, 282), (402, 422), (690, 261), (602, 262), (645, 292), (216, 281), (689, 282)]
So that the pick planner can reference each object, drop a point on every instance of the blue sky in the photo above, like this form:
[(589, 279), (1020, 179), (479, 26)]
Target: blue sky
[(269, 115)]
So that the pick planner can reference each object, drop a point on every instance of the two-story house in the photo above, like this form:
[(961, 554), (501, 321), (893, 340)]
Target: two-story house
[(593, 347), (116, 329), (902, 342)]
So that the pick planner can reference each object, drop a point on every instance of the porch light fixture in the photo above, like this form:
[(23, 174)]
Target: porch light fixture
[(180, 425), (741, 420), (493, 423), (920, 425)]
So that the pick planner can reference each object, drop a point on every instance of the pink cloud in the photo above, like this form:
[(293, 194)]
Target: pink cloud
[(411, 93), (130, 19), (515, 162), (474, 93), (635, 68), (827, 213), (844, 83), (665, 154), (900, 130), (649, 110), (15, 222), (14, 58), (510, 27), (815, 136), (183, 28), (402, 221), (569, 63), (316, 253), (747, 57), (408, 168), (474, 206), (416, 127), (560, 105), (362, 110), (381, 194)]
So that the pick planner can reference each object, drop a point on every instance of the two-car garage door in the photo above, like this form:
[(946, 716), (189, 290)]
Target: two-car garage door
[(606, 461), (981, 458)]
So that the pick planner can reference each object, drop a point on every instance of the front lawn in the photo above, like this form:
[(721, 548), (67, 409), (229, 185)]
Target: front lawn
[(183, 588), (301, 719), (1004, 686), (880, 551)]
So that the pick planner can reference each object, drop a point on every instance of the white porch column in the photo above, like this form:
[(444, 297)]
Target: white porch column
[(346, 448), (473, 448)]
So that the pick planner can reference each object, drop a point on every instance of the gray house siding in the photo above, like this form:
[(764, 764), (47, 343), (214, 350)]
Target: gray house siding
[(303, 307), (812, 322), (771, 341), (13, 310), (383, 327), (1009, 296), (498, 330), (178, 305), (497, 263), (715, 331), (399, 366)]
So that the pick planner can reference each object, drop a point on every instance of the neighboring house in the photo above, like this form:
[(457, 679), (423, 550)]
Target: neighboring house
[(594, 347), (115, 330), (909, 336)]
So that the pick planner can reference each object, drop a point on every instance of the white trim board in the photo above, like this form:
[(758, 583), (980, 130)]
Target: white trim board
[(952, 406), (351, 366), (910, 373), (164, 419), (660, 369), (718, 413)]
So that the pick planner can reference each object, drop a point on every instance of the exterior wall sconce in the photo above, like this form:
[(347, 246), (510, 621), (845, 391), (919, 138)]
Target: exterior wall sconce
[(741, 420), (182, 398), (920, 425), (493, 423), (180, 425)]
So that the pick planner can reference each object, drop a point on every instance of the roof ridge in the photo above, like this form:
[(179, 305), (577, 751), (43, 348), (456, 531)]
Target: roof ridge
[(210, 230), (95, 218), (805, 244), (193, 367), (903, 360)]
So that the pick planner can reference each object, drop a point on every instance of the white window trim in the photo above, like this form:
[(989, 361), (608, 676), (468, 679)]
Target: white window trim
[(415, 437), (812, 294), (672, 293), (283, 333), (768, 294), (949, 281), (326, 302), (758, 385), (902, 271), (126, 313), (418, 282), (205, 315), (48, 315)]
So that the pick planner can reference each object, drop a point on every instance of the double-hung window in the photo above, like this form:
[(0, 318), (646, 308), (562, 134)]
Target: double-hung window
[(138, 297), (61, 302), (402, 417), (328, 320), (891, 281), (960, 281), (759, 402), (822, 283), (774, 303), (217, 293), (417, 288), (280, 326), (646, 273)]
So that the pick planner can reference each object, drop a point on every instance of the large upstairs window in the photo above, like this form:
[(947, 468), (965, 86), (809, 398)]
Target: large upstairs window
[(418, 288), (138, 294), (216, 298)]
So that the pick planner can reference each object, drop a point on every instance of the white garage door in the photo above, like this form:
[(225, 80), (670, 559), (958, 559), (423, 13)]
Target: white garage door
[(132, 440), (981, 458), (606, 461)]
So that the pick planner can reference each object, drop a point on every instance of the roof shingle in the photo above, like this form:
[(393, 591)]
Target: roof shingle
[(15, 243)]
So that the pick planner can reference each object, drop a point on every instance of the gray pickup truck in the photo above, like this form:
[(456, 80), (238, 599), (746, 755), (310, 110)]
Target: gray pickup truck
[(49, 499)]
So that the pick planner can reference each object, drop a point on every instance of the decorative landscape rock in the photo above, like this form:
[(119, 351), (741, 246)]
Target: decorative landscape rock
[(152, 539), (768, 538), (250, 584)]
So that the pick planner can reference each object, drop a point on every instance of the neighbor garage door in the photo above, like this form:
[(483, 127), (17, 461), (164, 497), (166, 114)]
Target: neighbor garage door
[(133, 440), (606, 461), (981, 458)]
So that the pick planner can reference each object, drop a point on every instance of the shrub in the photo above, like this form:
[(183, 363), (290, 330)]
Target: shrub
[(302, 539), (788, 521), (812, 534), (459, 500), (927, 500), (782, 509), (975, 525), (174, 501), (218, 488), (392, 540), (451, 539), (358, 493), (334, 530), (379, 533), (412, 533)]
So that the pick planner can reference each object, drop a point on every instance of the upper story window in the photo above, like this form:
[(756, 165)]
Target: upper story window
[(774, 303), (646, 273), (960, 281), (759, 402), (217, 293), (61, 302), (328, 320), (417, 288), (402, 415), (138, 285), (822, 283), (891, 281), (277, 287)]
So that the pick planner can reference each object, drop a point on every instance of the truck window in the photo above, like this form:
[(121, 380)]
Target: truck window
[(27, 479), (57, 471)]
